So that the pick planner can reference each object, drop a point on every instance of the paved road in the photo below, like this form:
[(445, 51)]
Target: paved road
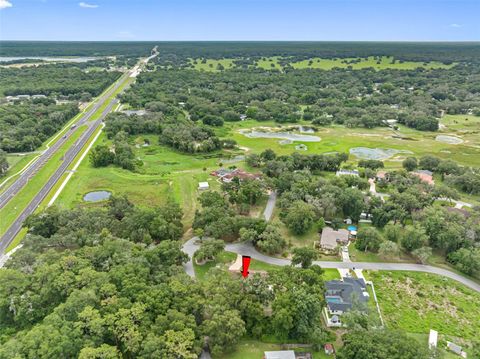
[(69, 156), (26, 176), (272, 198), (247, 249)]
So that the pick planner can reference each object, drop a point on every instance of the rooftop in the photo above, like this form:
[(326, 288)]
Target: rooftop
[(340, 294), (280, 354), (331, 238)]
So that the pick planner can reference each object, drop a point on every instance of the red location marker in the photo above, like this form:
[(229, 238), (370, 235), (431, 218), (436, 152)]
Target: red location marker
[(245, 264)]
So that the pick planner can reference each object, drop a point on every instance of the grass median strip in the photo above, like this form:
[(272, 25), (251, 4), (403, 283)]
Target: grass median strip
[(13, 208)]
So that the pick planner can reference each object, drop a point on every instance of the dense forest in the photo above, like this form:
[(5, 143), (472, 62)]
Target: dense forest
[(441, 51), (59, 79), (367, 98), (25, 126), (109, 283)]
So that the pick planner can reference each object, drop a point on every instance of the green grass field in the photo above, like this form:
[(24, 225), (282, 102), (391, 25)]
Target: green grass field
[(254, 349), (427, 302), (212, 65), (270, 63), (356, 64)]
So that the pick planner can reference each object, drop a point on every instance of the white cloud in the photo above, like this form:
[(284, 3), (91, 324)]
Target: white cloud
[(455, 25), (86, 6), (4, 4)]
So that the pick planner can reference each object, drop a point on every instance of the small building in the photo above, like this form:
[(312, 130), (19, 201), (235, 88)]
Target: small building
[(381, 176), (202, 186), (344, 172), (432, 339), (329, 349), (425, 176), (330, 238), (243, 117), (279, 354), (457, 349)]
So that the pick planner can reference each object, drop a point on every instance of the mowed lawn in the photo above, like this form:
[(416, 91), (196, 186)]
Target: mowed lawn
[(418, 302), (337, 138), (254, 349), (211, 64)]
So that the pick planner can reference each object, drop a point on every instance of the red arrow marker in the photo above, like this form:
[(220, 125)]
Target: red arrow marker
[(245, 264)]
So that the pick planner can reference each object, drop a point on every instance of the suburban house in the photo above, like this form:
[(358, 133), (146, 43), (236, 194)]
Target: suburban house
[(344, 172), (331, 238), (425, 176), (341, 295), (381, 176), (227, 175)]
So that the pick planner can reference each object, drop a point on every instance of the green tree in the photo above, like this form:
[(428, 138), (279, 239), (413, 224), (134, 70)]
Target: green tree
[(223, 330), (388, 249), (413, 237), (209, 249), (380, 344), (104, 351), (410, 163), (466, 259), (304, 256), (368, 239), (300, 217), (101, 156)]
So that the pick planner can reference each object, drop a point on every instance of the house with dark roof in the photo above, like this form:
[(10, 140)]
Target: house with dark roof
[(331, 238), (341, 295)]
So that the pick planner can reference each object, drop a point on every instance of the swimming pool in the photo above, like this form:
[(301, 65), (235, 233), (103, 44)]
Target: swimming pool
[(333, 299)]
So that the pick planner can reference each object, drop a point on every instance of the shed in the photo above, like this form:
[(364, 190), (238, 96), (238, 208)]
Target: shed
[(203, 186), (280, 354)]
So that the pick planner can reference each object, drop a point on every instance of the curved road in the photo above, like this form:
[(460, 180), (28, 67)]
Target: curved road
[(248, 249)]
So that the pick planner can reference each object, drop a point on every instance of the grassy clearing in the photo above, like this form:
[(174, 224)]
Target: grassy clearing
[(361, 256), (418, 302), (269, 63), (342, 139), (386, 62), (13, 208), (224, 259), (254, 349), (211, 65)]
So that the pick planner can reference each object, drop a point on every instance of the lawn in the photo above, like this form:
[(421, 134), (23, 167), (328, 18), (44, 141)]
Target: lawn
[(224, 259), (14, 207), (418, 302), (338, 138), (385, 62), (269, 63), (254, 349), (211, 65), (362, 256)]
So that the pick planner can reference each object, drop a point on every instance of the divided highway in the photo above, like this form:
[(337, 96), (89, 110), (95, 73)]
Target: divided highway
[(68, 158), (26, 176)]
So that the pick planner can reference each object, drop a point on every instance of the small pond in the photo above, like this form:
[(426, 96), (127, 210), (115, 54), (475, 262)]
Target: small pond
[(97, 196), (451, 140), (366, 153), (282, 136)]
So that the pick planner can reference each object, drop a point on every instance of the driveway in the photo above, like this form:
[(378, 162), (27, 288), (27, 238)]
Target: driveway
[(272, 199), (248, 249)]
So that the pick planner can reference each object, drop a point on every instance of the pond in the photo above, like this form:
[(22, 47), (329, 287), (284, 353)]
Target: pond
[(366, 153), (282, 136), (451, 140), (97, 196)]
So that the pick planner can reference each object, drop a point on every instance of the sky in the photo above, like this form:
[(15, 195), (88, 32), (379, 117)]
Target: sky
[(183, 20)]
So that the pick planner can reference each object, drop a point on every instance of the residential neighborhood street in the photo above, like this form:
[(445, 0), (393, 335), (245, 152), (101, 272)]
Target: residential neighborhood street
[(248, 249)]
